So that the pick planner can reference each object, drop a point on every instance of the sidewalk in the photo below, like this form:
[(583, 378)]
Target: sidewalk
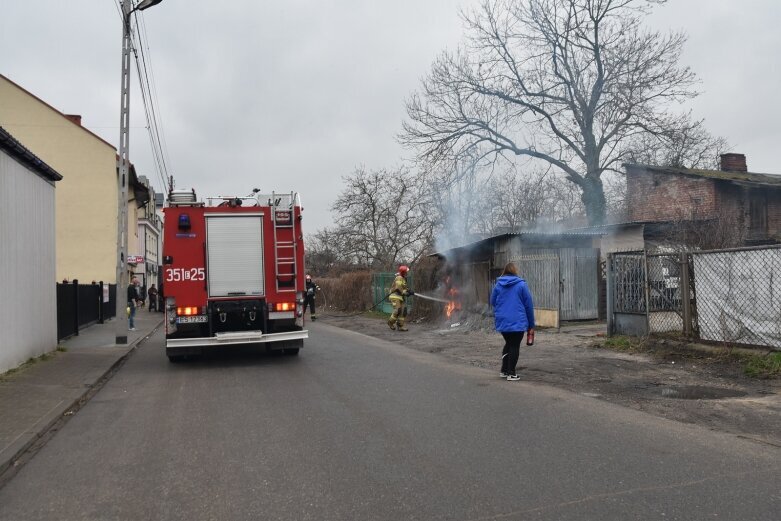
[(35, 397)]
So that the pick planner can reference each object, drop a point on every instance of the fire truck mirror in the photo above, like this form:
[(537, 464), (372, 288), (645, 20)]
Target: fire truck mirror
[(168, 259)]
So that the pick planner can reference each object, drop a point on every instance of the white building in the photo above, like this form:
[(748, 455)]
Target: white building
[(149, 239)]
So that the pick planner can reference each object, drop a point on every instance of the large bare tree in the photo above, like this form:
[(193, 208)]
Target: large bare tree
[(382, 217), (574, 83), (461, 205)]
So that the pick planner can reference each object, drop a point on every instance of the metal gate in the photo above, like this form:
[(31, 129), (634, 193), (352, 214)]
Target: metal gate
[(540, 270), (541, 273), (564, 280), (579, 283)]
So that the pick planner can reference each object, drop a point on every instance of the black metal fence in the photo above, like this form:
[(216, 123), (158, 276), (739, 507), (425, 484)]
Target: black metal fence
[(728, 296), (81, 305)]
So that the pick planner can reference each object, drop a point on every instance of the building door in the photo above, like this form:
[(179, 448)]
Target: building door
[(540, 269), (579, 283)]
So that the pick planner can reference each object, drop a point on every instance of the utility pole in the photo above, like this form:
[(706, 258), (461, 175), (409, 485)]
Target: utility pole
[(124, 170), (124, 178)]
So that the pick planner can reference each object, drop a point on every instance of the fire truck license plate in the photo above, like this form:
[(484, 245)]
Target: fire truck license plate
[(191, 320)]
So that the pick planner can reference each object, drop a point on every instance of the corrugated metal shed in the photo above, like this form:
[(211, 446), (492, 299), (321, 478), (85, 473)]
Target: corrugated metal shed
[(28, 318)]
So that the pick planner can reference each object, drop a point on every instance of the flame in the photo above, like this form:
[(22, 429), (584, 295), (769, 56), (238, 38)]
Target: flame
[(449, 308), (453, 303)]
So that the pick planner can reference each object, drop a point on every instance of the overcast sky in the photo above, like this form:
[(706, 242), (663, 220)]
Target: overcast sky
[(294, 94)]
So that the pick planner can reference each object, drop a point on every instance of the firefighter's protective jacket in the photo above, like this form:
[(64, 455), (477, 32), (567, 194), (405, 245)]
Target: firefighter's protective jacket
[(311, 287), (399, 288)]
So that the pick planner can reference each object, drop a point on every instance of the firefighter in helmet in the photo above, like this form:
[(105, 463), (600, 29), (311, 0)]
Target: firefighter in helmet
[(398, 294), (309, 297)]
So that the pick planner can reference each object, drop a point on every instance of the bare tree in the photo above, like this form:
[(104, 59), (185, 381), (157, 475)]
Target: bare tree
[(382, 217), (519, 200), (568, 82), (325, 253), (615, 198), (694, 147), (462, 210)]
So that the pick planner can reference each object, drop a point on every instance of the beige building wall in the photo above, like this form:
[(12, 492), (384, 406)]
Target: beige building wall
[(628, 238), (86, 205)]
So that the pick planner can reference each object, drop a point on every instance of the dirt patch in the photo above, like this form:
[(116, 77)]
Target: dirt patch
[(664, 378)]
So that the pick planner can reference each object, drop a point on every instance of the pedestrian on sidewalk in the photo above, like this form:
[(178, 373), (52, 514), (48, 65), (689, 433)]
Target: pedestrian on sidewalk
[(513, 315), (152, 292), (133, 298)]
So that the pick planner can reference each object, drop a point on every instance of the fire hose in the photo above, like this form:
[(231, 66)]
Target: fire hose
[(421, 295), (435, 299)]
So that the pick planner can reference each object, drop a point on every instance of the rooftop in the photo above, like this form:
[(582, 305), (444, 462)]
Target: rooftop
[(747, 178), (533, 236)]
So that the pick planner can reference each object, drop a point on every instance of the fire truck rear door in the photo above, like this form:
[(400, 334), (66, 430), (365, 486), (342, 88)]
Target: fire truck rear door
[(234, 245)]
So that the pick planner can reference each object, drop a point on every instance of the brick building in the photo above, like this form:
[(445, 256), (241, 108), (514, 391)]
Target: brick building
[(744, 207)]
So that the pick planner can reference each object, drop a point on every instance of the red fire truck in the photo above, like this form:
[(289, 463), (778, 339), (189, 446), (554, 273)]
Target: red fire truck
[(233, 272)]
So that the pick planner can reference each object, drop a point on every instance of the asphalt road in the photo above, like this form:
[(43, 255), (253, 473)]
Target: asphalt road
[(358, 428)]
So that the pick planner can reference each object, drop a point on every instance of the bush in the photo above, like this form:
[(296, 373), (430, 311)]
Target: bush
[(348, 292)]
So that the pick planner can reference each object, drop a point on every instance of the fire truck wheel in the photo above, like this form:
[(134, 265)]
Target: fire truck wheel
[(175, 359), (291, 351)]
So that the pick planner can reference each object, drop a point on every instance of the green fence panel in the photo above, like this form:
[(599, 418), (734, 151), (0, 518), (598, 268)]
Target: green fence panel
[(381, 283)]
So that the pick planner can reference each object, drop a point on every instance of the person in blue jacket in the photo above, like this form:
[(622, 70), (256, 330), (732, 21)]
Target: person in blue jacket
[(513, 314)]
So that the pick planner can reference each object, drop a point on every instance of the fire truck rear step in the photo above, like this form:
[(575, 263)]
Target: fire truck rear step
[(238, 337)]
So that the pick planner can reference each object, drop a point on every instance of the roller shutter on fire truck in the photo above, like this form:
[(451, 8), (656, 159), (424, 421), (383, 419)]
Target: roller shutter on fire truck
[(234, 245)]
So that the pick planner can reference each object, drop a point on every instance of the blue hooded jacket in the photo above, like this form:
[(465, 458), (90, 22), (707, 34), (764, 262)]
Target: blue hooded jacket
[(512, 303)]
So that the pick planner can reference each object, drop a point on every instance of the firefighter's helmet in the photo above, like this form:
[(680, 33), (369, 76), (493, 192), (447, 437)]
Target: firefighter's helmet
[(403, 270)]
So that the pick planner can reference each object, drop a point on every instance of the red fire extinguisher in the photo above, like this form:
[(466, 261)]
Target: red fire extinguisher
[(530, 337)]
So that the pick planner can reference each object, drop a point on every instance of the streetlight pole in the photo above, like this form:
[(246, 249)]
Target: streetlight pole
[(124, 169)]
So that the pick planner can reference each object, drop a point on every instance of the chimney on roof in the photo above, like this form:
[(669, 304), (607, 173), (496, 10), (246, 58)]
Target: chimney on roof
[(733, 163), (75, 118)]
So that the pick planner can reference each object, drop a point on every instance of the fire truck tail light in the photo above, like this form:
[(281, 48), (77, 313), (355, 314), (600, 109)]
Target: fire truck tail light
[(284, 306), (188, 310)]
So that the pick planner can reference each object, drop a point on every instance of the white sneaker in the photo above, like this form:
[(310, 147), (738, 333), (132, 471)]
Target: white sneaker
[(502, 375), (131, 329), (513, 377)]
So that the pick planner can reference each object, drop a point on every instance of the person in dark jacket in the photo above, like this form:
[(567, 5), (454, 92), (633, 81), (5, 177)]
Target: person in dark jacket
[(513, 314), (152, 292), (133, 299), (309, 297)]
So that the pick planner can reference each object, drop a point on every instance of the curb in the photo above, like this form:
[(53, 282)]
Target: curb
[(61, 413)]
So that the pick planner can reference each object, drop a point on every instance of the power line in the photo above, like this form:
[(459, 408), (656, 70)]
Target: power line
[(150, 103), (156, 98), (149, 112), (149, 97)]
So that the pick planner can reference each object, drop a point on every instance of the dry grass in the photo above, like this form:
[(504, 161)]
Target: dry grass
[(349, 292)]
